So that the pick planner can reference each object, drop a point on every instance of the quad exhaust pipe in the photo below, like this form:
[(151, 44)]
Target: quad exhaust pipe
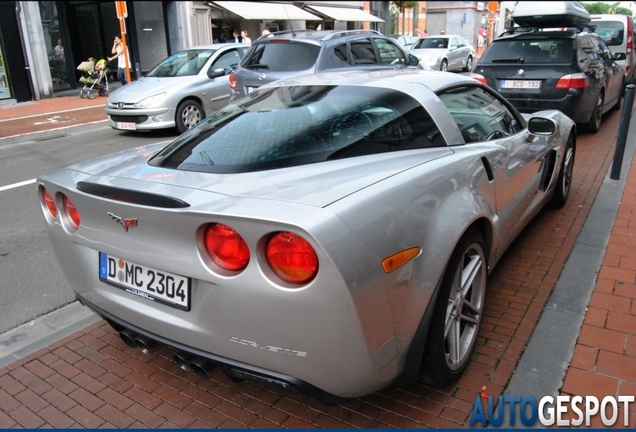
[(135, 340)]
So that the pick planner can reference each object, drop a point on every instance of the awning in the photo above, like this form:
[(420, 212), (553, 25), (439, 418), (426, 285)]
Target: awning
[(344, 14), (266, 11)]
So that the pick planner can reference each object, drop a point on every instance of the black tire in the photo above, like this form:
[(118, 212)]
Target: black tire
[(469, 64), (594, 123), (564, 180), (444, 66), (458, 313), (189, 114)]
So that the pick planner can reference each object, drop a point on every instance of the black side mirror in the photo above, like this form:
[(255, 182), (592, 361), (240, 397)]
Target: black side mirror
[(413, 61), (619, 56), (541, 126)]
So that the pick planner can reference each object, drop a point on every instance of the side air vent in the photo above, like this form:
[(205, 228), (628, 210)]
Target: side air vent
[(131, 196), (548, 172)]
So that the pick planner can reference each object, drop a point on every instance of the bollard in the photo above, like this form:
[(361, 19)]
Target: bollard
[(623, 127)]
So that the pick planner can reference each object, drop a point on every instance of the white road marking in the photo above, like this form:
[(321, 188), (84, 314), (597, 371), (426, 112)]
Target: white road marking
[(53, 112), (51, 130), (15, 185)]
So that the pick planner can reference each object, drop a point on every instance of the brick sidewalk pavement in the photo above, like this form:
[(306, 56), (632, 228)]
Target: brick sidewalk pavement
[(92, 379)]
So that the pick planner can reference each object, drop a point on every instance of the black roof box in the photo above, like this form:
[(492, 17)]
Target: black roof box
[(550, 14)]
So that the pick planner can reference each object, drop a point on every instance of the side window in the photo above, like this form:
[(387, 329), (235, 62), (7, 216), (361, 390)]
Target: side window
[(587, 46), (362, 52), (390, 53), (479, 115), (460, 42), (227, 61)]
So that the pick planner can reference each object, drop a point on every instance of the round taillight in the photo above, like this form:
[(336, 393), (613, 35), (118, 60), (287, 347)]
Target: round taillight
[(233, 82), (226, 247), (49, 203), (71, 212), (292, 258)]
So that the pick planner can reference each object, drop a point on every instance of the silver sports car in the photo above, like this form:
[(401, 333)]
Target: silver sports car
[(331, 232)]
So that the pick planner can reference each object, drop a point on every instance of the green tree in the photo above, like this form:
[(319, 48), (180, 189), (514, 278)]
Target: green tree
[(606, 8)]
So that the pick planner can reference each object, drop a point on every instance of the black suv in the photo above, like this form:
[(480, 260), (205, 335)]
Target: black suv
[(570, 69), (291, 53)]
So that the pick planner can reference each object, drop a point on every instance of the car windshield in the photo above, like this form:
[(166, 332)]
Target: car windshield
[(183, 63), (433, 42), (612, 32), (530, 51), (295, 125), (281, 56)]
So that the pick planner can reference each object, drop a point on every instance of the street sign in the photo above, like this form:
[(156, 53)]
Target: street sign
[(122, 10), (493, 6)]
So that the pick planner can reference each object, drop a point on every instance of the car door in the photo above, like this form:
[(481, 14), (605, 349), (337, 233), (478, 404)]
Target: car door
[(218, 90), (516, 166), (391, 54), (454, 54), (615, 73)]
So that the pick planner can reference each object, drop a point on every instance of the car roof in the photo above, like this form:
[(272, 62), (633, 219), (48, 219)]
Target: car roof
[(215, 46), (317, 35), (388, 78)]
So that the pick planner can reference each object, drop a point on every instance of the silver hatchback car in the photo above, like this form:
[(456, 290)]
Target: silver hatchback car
[(444, 52), (179, 92)]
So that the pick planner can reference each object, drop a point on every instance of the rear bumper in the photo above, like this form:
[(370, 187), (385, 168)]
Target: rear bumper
[(574, 106), (235, 370)]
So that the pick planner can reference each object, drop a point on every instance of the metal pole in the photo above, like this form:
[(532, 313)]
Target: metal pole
[(628, 102)]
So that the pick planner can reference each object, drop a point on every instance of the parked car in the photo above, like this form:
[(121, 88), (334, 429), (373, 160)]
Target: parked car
[(329, 232), (618, 33), (566, 68), (291, 53), (444, 52), (405, 40), (179, 92)]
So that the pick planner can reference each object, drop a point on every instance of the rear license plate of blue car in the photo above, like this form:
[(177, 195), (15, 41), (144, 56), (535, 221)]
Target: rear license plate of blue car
[(147, 282)]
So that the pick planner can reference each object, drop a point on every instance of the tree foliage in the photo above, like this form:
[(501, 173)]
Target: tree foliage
[(606, 8)]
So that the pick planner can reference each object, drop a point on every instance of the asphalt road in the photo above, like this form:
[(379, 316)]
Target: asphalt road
[(31, 282)]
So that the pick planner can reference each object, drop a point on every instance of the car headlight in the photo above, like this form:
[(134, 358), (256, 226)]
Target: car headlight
[(152, 100)]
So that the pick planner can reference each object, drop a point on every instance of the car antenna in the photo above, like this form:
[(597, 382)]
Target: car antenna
[(289, 21)]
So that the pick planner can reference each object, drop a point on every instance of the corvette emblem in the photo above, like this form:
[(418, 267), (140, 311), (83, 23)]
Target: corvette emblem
[(126, 223)]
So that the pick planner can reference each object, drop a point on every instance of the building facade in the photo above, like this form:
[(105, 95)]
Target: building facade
[(43, 42)]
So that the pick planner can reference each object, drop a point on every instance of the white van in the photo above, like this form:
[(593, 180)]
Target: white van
[(618, 32)]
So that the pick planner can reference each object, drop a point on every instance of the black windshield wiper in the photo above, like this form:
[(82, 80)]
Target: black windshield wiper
[(510, 60), (256, 66)]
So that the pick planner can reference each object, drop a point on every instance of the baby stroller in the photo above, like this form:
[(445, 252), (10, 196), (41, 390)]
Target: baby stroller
[(94, 76)]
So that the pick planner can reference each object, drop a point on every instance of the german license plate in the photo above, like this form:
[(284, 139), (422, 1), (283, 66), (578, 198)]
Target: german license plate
[(143, 281), (126, 126), (521, 84)]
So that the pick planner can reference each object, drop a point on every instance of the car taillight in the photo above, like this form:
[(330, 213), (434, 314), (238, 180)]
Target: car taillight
[(226, 247), (49, 203), (71, 212), (479, 78), (574, 81), (630, 38), (233, 82), (292, 258)]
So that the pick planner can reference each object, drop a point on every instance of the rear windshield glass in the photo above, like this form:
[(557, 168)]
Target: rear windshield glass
[(182, 63), (612, 32), (530, 51), (281, 57), (289, 126)]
